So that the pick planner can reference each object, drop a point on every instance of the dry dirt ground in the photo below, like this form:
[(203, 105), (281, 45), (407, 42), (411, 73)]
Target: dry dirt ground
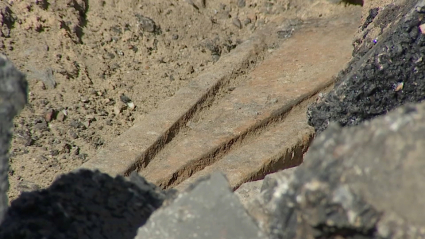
[(93, 67)]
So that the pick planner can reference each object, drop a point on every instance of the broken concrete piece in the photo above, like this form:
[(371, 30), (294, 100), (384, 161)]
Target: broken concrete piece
[(208, 210)]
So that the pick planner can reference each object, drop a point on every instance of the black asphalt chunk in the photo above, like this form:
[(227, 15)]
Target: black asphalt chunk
[(388, 75)]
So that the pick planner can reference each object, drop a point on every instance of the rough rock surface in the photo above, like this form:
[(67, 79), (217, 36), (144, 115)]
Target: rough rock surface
[(208, 210), (386, 72), (13, 96), (357, 182), (258, 199), (83, 204), (249, 192)]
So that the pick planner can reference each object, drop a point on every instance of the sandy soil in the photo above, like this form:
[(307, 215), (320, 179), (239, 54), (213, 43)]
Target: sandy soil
[(89, 62)]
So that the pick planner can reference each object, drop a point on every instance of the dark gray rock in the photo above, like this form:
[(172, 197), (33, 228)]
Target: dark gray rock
[(146, 24), (13, 97), (357, 182), (389, 74), (208, 210), (83, 204)]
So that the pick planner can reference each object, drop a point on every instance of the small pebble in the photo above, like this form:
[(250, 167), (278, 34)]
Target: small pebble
[(247, 21), (146, 24), (61, 116), (125, 99), (49, 115), (131, 105), (73, 134), (237, 23), (42, 126)]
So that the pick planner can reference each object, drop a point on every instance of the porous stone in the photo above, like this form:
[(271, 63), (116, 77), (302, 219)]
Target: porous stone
[(358, 182), (370, 86)]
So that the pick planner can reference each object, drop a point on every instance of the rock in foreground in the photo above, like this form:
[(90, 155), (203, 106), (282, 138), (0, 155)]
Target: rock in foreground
[(83, 204), (13, 96), (389, 74), (358, 182), (208, 210)]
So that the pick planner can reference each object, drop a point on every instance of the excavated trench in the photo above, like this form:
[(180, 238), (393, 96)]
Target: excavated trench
[(246, 116)]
